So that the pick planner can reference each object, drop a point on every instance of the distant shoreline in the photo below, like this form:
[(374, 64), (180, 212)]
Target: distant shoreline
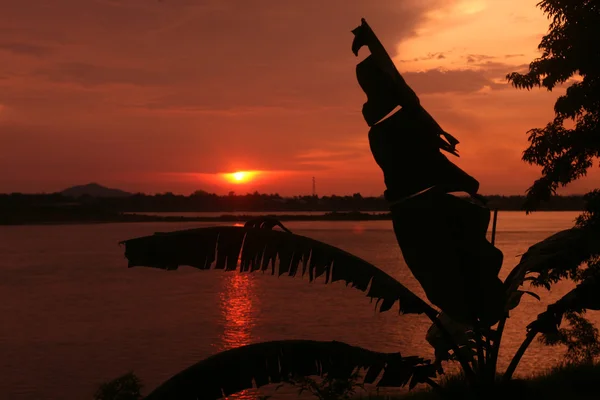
[(140, 217)]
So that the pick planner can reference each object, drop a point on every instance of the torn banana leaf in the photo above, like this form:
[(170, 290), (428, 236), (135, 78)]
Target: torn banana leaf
[(442, 238), (585, 296), (443, 241), (378, 77), (554, 257), (281, 253), (386, 89), (261, 364), (407, 149)]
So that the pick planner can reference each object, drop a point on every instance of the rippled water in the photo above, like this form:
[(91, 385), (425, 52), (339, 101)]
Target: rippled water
[(73, 314)]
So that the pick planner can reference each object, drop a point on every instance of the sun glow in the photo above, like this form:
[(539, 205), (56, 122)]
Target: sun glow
[(240, 176)]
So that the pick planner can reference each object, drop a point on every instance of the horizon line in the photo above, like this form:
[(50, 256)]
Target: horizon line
[(127, 194)]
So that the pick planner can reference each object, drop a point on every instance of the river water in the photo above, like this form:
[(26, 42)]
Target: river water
[(73, 315)]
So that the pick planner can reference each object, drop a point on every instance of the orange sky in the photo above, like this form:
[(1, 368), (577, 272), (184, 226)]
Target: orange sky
[(165, 95)]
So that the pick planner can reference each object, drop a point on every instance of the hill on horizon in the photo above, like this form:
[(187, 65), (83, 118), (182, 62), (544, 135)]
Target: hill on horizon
[(94, 190)]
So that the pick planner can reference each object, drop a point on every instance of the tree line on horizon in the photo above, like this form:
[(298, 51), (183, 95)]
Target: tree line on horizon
[(201, 201)]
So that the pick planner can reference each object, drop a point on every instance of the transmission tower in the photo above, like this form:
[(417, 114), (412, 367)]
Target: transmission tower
[(314, 182)]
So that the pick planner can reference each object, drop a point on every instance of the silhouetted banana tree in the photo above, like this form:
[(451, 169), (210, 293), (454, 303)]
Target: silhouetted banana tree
[(443, 241)]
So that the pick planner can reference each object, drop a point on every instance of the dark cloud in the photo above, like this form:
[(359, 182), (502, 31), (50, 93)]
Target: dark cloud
[(217, 54), (499, 69), (321, 92), (477, 58), (329, 156), (452, 81), (487, 73), (269, 30), (93, 75), (26, 49), (429, 56)]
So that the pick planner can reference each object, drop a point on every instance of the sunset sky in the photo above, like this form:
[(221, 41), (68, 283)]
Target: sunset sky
[(171, 95)]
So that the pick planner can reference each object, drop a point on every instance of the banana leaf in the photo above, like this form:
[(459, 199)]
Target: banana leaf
[(443, 241), (585, 296), (280, 253), (381, 101), (554, 258), (260, 364), (442, 238), (407, 149), (386, 88)]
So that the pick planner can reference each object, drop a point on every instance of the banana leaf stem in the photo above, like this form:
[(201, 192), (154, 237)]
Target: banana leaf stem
[(469, 374), (495, 349), (515, 361), (479, 341)]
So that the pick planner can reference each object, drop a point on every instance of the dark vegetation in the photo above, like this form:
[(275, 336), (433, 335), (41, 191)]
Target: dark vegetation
[(567, 381), (125, 387), (567, 147), (17, 208), (210, 202)]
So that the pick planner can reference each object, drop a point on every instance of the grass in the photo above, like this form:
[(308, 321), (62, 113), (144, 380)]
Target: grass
[(565, 382)]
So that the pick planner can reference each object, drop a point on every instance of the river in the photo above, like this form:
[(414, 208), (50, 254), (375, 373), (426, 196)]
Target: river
[(73, 315)]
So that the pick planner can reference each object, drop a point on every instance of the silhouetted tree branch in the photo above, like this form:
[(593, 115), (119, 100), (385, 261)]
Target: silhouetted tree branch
[(570, 54)]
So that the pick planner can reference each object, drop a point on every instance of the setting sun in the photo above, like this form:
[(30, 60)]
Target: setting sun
[(240, 176)]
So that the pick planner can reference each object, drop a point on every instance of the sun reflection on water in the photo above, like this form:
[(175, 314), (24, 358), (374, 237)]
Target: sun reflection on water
[(238, 308)]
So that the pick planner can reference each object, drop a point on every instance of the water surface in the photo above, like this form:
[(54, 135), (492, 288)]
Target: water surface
[(74, 315)]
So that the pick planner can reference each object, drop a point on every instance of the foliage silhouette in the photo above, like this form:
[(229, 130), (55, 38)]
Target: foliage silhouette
[(125, 387), (570, 54), (264, 363), (566, 150), (330, 388), (263, 249), (581, 340), (443, 241)]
